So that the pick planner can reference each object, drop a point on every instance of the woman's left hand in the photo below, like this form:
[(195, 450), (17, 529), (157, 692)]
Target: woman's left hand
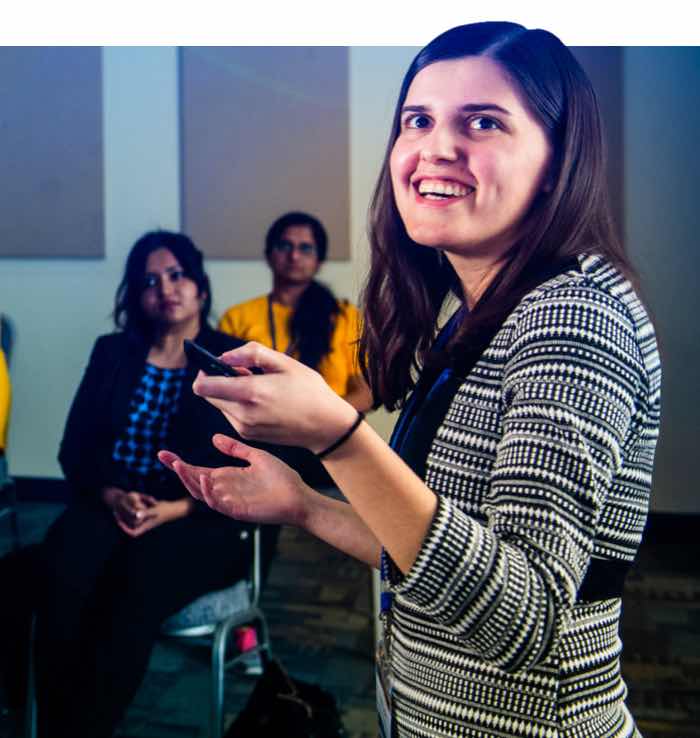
[(264, 491), (289, 403), (163, 511)]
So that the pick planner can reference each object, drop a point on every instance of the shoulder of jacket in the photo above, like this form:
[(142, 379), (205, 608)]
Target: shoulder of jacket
[(110, 342)]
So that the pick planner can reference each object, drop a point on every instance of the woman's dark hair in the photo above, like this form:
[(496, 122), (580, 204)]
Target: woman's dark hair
[(313, 320), (408, 283), (274, 233), (128, 314)]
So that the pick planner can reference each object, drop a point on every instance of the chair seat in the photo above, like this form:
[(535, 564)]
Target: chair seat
[(201, 616)]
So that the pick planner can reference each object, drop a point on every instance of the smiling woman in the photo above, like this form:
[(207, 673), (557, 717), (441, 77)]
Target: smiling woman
[(467, 163), (511, 503)]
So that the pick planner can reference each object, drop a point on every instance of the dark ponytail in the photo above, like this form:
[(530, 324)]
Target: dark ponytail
[(312, 324)]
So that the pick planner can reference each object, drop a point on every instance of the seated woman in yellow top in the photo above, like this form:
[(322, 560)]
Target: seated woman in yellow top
[(301, 316), (5, 396)]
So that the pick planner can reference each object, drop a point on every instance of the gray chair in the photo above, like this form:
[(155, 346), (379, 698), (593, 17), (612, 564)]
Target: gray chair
[(209, 620), (8, 493)]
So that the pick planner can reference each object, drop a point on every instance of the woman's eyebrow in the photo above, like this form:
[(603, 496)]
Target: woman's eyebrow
[(477, 107), (414, 108), (467, 108), (167, 270)]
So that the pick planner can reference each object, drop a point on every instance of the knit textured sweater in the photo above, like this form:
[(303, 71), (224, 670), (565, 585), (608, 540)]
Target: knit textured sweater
[(542, 467)]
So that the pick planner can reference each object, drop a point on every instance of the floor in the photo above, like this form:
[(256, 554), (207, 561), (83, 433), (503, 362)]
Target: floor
[(661, 637), (318, 604)]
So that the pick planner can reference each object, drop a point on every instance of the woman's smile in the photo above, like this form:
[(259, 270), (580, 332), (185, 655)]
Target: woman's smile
[(469, 159)]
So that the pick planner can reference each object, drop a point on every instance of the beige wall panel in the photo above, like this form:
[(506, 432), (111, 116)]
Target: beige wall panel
[(264, 130), (51, 188)]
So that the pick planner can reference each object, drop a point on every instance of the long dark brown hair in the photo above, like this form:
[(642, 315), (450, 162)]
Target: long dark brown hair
[(408, 283)]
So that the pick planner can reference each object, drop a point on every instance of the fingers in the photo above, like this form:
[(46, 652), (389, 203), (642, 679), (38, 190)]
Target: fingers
[(131, 531), (143, 501), (124, 527), (167, 457), (188, 473), (130, 517), (237, 389), (232, 447), (254, 354), (189, 476), (207, 488)]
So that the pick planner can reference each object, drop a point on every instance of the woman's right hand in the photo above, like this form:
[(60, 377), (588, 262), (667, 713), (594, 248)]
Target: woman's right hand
[(289, 403), (130, 509), (265, 491)]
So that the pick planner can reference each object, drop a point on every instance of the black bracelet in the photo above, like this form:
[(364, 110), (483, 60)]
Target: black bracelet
[(360, 417)]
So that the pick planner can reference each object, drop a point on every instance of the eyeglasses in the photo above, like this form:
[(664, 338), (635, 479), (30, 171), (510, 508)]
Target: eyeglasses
[(153, 280), (287, 247)]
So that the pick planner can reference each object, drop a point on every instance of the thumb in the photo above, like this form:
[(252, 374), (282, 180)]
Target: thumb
[(254, 354), (232, 447)]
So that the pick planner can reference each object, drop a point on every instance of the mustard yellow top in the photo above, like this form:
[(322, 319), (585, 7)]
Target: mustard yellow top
[(249, 321), (5, 398)]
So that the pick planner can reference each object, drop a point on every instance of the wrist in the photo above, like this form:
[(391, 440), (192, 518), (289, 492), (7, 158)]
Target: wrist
[(179, 508), (343, 437), (335, 429), (307, 508)]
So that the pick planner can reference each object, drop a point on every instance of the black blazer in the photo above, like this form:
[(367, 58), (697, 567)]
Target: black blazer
[(100, 409)]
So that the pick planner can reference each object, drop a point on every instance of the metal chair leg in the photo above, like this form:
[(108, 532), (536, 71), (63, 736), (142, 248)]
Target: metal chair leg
[(14, 520), (30, 716), (218, 661)]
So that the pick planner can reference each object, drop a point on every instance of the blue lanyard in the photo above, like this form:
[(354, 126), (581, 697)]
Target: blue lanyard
[(405, 426)]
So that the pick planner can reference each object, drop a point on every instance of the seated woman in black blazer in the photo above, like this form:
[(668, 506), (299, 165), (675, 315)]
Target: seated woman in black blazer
[(133, 547)]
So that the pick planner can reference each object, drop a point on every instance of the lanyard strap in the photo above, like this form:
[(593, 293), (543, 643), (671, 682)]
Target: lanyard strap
[(273, 328), (271, 323), (404, 439)]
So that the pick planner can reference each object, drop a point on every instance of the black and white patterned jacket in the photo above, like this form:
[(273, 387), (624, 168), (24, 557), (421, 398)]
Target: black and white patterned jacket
[(542, 467)]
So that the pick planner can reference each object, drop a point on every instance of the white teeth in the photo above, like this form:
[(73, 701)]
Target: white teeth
[(448, 189)]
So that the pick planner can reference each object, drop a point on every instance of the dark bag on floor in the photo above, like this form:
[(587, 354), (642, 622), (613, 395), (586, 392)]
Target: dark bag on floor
[(283, 706)]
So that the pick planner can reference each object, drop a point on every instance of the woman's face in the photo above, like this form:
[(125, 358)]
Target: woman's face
[(169, 297), (469, 160), (294, 258)]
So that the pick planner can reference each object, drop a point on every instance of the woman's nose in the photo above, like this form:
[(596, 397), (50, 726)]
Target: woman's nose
[(440, 145), (166, 286)]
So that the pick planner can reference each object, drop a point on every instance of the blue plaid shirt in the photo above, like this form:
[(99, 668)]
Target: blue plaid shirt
[(154, 402)]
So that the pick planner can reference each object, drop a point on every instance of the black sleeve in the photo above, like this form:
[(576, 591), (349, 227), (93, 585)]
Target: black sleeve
[(85, 452)]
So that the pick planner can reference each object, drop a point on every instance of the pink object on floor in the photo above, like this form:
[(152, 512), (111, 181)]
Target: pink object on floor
[(246, 638)]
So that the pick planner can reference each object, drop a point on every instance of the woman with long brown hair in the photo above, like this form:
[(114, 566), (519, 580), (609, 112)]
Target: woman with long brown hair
[(511, 503), (131, 547)]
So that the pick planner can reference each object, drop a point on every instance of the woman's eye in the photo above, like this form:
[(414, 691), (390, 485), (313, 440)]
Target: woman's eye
[(483, 123), (417, 121), (176, 276)]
